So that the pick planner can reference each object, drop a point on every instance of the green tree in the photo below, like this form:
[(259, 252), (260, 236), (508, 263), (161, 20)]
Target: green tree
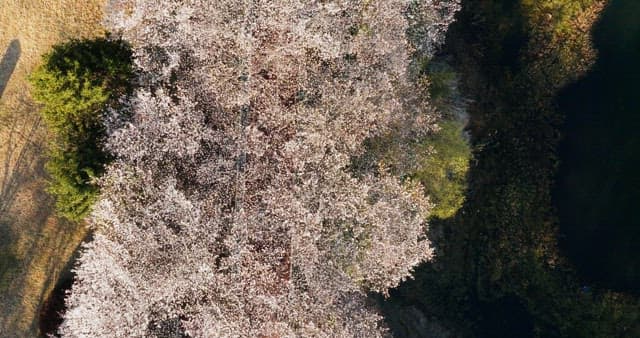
[(76, 82)]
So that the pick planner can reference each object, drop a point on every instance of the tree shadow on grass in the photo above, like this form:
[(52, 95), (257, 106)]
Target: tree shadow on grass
[(24, 211), (22, 161), (53, 307), (8, 63), (8, 260), (21, 164)]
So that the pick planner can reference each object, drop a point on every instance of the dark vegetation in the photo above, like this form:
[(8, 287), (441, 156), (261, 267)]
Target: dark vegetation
[(598, 188), (498, 271), (77, 81)]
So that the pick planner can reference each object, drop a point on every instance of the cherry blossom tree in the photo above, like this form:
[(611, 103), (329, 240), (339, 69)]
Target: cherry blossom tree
[(230, 209)]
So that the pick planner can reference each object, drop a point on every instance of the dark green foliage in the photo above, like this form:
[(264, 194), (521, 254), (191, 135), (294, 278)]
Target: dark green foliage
[(498, 272), (77, 80), (598, 186)]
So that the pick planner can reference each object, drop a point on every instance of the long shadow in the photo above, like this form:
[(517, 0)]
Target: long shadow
[(8, 63), (8, 260), (53, 307), (21, 162), (20, 165)]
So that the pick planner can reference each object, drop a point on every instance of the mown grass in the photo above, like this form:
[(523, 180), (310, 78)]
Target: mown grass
[(34, 244)]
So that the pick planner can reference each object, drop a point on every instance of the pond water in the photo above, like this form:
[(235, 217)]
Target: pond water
[(598, 184)]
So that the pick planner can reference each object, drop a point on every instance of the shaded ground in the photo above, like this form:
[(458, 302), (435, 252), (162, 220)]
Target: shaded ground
[(53, 307), (34, 244), (8, 63)]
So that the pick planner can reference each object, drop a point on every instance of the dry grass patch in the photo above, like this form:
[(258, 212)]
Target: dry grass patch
[(34, 245)]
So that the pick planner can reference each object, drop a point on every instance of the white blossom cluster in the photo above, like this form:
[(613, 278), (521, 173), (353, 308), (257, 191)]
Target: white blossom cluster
[(428, 23), (230, 210)]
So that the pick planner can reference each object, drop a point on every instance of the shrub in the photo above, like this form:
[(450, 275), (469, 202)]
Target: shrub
[(443, 173), (75, 83)]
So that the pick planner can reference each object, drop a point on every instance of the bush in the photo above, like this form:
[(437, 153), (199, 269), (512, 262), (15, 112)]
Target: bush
[(443, 173), (75, 83)]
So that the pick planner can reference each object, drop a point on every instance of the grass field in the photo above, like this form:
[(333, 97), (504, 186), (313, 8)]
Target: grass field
[(34, 244)]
